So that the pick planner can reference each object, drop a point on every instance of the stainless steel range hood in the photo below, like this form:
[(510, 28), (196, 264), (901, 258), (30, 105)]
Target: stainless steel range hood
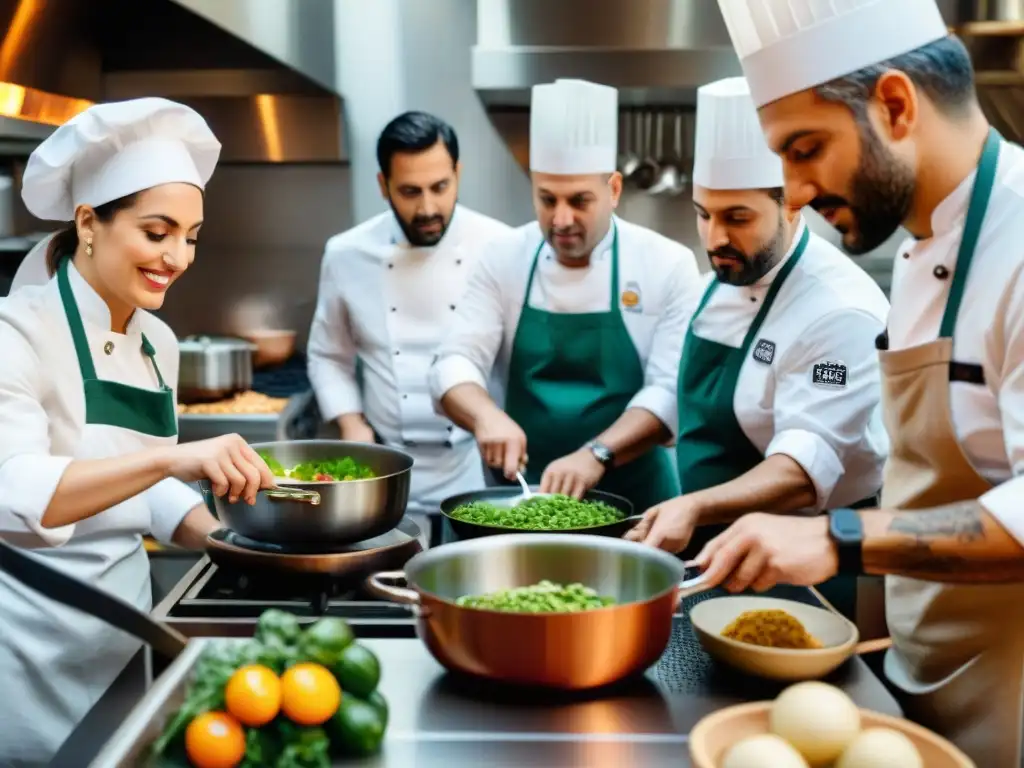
[(260, 71), (653, 51)]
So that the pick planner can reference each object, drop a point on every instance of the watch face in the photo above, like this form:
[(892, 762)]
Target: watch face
[(601, 453)]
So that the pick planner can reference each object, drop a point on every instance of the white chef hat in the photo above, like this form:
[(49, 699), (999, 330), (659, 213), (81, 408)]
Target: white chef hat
[(573, 127), (788, 46), (116, 149), (730, 149)]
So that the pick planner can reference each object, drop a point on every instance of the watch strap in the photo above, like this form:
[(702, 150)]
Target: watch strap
[(847, 531)]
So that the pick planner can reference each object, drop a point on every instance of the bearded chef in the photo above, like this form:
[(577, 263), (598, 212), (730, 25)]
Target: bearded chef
[(582, 313), (778, 382), (88, 461), (387, 288), (885, 129)]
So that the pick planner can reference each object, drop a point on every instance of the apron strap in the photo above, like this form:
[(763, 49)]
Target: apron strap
[(67, 298), (615, 271), (776, 285), (149, 351), (980, 194)]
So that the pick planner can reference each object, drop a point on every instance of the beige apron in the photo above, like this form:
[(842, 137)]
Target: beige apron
[(958, 651)]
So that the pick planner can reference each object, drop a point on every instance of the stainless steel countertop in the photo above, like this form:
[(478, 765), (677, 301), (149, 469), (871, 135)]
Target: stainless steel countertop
[(440, 720)]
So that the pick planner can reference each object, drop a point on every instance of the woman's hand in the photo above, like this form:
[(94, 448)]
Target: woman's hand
[(228, 462)]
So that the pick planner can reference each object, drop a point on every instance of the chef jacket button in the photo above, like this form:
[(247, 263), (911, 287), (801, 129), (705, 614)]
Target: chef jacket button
[(447, 443), (753, 298), (451, 427), (405, 397), (108, 348), (940, 272), (397, 351), (394, 309), (391, 266), (451, 307), (458, 262)]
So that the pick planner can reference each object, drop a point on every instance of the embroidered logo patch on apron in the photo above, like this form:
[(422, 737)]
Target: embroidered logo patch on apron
[(830, 374), (764, 351), (631, 299)]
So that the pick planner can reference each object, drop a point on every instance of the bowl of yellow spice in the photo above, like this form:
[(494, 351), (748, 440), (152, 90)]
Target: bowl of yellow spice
[(772, 638)]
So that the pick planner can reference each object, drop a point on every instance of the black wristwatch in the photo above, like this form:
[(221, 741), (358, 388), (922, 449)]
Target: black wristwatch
[(847, 531), (601, 452)]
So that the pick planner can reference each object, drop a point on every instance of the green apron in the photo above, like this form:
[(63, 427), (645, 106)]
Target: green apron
[(571, 376), (110, 403), (713, 448)]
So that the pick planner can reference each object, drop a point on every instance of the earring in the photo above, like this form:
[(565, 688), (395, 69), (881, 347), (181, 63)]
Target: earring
[(88, 247)]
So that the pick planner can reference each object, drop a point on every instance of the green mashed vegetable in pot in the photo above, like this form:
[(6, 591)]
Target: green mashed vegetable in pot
[(543, 597), (324, 470), (540, 513)]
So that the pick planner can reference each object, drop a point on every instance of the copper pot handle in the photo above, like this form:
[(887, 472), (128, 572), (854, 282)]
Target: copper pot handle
[(378, 584)]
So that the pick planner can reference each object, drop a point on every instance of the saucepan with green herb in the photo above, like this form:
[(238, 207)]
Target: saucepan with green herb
[(363, 491), (504, 510), (568, 612)]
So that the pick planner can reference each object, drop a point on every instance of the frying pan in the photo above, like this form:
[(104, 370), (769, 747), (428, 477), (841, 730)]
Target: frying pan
[(503, 495)]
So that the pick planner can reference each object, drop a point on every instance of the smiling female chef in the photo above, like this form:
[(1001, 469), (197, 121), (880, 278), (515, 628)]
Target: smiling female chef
[(88, 461)]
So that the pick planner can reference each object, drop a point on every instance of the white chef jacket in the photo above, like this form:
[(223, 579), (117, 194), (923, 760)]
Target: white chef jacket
[(988, 418), (828, 310), (662, 274), (42, 408), (32, 270), (387, 302)]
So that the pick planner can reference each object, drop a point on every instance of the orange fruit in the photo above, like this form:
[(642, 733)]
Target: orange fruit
[(253, 695), (310, 694), (215, 740)]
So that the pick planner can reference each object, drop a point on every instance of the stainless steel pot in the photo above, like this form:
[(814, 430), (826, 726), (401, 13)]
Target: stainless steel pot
[(558, 650), (347, 512), (213, 368)]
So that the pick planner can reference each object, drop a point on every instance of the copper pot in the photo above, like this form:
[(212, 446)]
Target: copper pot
[(567, 651)]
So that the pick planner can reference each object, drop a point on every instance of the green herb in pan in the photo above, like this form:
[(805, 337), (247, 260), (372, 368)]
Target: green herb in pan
[(540, 513), (544, 597), (331, 470)]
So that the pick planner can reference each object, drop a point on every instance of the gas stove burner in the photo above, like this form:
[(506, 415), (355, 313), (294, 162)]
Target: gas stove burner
[(244, 542), (390, 551)]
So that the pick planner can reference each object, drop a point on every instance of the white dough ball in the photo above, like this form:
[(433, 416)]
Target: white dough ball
[(881, 748), (763, 751), (818, 719)]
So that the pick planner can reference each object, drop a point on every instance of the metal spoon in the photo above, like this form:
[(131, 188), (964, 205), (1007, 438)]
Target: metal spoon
[(527, 493)]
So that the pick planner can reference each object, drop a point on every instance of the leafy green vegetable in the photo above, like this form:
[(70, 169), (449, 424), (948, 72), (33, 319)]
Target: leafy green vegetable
[(357, 670), (325, 641), (336, 470), (544, 597), (357, 728), (273, 464), (540, 513)]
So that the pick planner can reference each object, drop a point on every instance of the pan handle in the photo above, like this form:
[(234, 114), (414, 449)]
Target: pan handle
[(689, 587), (293, 494), (381, 584)]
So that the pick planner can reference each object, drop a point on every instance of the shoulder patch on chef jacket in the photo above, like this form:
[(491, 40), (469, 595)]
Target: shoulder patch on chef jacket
[(632, 301), (830, 374), (764, 351)]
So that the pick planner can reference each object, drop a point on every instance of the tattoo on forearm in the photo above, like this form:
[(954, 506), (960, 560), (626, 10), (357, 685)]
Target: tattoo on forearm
[(961, 521), (952, 543)]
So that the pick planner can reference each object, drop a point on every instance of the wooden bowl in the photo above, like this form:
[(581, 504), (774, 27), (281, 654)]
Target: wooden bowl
[(272, 347), (837, 634), (711, 737)]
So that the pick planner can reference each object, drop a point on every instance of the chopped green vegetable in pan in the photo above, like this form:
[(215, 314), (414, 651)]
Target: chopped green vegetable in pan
[(330, 470), (540, 513), (544, 597)]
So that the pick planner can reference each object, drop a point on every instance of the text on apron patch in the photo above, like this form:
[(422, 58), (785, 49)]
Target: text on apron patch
[(830, 374), (764, 351)]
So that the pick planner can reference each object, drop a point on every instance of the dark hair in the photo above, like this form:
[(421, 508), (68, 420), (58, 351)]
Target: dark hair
[(777, 194), (941, 69), (65, 242), (414, 132)]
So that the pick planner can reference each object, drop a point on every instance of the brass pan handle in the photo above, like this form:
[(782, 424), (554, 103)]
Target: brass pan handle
[(293, 494)]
